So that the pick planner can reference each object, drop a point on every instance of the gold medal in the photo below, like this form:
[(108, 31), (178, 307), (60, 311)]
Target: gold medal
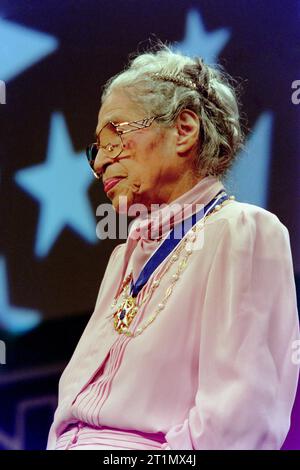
[(128, 308), (125, 314)]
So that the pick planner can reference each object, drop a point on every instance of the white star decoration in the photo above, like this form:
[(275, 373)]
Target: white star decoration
[(15, 320), (250, 173), (199, 42), (60, 184), (21, 47)]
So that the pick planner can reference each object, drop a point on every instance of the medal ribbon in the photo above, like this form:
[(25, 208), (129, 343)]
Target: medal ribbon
[(171, 242)]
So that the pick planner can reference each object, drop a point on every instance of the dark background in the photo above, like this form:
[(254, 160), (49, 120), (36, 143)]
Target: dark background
[(54, 67)]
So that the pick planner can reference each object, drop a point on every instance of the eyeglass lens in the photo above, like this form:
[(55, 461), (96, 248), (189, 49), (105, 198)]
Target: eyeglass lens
[(110, 141)]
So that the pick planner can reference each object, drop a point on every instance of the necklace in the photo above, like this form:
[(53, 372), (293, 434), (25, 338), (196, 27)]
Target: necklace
[(126, 310)]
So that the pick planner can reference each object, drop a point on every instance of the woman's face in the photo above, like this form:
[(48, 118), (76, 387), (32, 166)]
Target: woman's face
[(148, 165)]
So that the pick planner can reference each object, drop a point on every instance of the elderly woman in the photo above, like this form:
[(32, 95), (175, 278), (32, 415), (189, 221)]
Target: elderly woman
[(190, 342)]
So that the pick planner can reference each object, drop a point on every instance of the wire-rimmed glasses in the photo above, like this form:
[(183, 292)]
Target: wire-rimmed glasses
[(110, 139)]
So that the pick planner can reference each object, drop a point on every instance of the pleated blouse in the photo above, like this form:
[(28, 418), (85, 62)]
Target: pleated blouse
[(214, 370)]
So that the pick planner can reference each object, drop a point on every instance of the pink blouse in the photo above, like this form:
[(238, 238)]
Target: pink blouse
[(214, 370)]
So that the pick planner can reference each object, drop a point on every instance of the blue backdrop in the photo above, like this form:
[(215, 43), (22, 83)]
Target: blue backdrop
[(54, 58)]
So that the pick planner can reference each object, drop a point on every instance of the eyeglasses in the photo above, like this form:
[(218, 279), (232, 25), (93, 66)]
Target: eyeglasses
[(110, 139)]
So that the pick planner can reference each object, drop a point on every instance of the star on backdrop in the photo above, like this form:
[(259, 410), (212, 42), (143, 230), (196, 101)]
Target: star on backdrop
[(15, 320), (199, 42), (60, 184), (251, 170), (253, 162), (21, 47)]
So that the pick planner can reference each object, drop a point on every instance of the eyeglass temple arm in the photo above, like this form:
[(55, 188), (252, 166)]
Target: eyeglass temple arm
[(135, 124)]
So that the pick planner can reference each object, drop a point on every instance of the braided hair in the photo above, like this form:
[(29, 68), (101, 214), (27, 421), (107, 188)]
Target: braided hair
[(165, 82)]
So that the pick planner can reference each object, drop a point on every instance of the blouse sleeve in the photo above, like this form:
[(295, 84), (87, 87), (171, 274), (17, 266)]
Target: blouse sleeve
[(110, 263), (247, 380)]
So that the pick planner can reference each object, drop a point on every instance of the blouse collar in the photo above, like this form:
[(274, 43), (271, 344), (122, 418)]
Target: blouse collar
[(159, 222)]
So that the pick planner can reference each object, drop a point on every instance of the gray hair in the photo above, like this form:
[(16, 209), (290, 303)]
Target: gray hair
[(213, 99)]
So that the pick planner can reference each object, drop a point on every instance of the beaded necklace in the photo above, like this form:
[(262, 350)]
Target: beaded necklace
[(125, 306)]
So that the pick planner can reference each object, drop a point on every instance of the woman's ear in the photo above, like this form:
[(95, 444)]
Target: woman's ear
[(188, 127)]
